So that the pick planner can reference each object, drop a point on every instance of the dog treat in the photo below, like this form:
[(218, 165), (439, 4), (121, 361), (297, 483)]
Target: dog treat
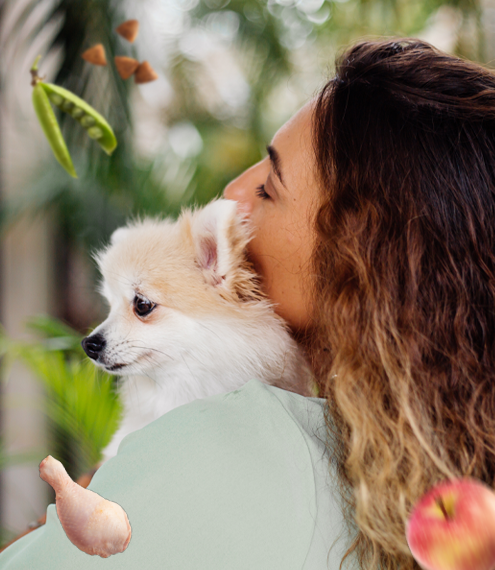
[(126, 66), (93, 524), (145, 73), (128, 30), (95, 55)]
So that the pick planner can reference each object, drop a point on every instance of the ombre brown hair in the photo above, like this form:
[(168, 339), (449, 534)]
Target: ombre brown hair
[(405, 351)]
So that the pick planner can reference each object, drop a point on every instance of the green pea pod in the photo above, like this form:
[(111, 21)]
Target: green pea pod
[(51, 128), (95, 125), (89, 118)]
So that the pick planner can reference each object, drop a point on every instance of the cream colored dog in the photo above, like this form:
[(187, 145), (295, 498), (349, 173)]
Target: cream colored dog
[(187, 317)]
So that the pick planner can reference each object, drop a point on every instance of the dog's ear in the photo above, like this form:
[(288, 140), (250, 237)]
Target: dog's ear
[(220, 235), (117, 235)]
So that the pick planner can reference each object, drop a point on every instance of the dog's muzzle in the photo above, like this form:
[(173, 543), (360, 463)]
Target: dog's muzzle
[(93, 345)]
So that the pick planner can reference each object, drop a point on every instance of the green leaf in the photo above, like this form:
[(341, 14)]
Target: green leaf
[(81, 402)]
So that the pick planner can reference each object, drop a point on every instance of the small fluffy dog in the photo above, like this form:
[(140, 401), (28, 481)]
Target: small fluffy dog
[(187, 316)]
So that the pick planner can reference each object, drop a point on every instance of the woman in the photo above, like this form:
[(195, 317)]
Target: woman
[(374, 218), (403, 327)]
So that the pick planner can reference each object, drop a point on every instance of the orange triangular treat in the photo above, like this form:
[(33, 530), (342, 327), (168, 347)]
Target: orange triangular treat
[(128, 30), (145, 73), (126, 66), (95, 55)]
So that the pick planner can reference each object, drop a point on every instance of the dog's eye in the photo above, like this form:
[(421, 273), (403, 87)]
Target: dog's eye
[(142, 306)]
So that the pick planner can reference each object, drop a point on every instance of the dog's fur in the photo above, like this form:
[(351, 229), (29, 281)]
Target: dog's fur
[(211, 329)]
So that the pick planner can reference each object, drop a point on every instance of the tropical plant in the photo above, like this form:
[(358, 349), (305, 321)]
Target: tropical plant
[(81, 406)]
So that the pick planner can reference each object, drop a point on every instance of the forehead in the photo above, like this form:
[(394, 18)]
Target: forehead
[(299, 124)]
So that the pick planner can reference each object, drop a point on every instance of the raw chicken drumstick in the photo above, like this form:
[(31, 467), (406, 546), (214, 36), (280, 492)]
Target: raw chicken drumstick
[(93, 524)]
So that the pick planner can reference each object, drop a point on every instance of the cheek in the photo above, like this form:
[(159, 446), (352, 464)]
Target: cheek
[(260, 247), (277, 236), (281, 252), (270, 251)]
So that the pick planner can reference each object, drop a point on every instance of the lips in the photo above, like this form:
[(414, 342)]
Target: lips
[(115, 367)]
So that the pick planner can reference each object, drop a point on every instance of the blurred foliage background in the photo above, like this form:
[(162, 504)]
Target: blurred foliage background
[(230, 73)]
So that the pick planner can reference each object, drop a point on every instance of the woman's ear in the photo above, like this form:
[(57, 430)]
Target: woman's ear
[(220, 236)]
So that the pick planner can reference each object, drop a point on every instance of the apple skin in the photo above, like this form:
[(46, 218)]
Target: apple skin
[(456, 533)]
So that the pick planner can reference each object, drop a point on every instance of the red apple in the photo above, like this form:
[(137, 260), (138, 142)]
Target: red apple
[(452, 526)]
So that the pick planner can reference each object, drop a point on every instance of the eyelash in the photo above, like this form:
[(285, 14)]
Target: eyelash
[(262, 193)]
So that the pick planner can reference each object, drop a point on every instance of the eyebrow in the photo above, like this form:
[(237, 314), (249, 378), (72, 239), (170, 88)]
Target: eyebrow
[(275, 160)]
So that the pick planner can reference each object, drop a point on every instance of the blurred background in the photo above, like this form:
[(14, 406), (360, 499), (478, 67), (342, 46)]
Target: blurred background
[(231, 72)]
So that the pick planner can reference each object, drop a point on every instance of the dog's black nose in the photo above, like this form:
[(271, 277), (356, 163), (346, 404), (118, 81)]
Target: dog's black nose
[(93, 345)]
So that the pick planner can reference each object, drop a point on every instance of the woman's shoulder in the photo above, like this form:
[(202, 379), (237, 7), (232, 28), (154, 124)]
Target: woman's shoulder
[(241, 416), (232, 481), (241, 463), (254, 426)]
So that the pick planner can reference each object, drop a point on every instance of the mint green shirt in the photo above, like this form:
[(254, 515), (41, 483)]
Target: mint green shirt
[(241, 481)]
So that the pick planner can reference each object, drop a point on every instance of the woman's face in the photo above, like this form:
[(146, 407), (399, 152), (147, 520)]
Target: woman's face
[(280, 196)]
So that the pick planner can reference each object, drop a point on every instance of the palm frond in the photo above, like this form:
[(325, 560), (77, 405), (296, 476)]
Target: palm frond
[(81, 404)]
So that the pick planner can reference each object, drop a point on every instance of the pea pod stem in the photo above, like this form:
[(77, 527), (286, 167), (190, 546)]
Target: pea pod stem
[(34, 72)]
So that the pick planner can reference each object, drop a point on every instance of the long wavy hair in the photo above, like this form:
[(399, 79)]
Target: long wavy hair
[(405, 346)]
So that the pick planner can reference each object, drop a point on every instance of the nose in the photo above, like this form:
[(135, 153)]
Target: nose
[(93, 345), (243, 188), (237, 191)]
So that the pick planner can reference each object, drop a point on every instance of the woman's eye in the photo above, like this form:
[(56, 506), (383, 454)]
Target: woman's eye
[(143, 307), (260, 191)]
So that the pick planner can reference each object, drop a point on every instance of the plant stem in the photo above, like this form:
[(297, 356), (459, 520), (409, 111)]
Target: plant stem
[(34, 72), (440, 503)]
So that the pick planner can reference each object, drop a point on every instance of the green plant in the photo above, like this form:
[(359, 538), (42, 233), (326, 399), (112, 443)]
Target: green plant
[(81, 405)]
